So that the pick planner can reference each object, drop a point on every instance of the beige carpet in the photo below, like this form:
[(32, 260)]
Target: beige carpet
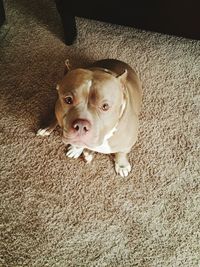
[(61, 212)]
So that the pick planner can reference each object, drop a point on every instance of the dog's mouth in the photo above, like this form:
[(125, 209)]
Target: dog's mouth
[(80, 141)]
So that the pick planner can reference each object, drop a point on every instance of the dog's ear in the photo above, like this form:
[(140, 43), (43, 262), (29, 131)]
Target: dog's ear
[(122, 77), (67, 66)]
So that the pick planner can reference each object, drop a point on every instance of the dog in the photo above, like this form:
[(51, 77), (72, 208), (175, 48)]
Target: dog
[(97, 109)]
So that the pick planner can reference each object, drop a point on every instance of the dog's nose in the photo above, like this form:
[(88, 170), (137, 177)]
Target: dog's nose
[(81, 126)]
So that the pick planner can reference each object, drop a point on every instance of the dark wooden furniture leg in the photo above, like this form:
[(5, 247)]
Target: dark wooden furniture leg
[(68, 21), (2, 13)]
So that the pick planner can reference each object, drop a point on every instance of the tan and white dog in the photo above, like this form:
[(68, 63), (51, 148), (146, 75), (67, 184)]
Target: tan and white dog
[(97, 109)]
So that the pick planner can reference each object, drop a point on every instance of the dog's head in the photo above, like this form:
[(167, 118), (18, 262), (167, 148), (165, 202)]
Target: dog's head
[(91, 101)]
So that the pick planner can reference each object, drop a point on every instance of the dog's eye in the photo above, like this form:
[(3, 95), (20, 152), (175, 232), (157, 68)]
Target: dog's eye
[(68, 100), (105, 107)]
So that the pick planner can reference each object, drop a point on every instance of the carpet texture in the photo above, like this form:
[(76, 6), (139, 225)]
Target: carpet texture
[(62, 212)]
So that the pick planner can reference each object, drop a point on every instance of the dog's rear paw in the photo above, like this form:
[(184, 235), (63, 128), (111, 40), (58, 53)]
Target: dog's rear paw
[(44, 132), (122, 170), (74, 152), (88, 156)]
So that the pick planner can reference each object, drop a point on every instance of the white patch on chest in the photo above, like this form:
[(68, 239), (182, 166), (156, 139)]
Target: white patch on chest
[(104, 147)]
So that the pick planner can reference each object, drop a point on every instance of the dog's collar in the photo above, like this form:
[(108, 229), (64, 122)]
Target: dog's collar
[(104, 70)]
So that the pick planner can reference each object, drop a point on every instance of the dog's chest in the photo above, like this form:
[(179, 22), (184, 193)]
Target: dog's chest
[(104, 148)]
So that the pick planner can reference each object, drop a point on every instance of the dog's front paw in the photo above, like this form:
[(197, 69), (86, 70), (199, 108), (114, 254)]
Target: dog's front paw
[(122, 170), (44, 132), (74, 152), (48, 130), (122, 166)]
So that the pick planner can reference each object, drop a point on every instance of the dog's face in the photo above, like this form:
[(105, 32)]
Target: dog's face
[(90, 104)]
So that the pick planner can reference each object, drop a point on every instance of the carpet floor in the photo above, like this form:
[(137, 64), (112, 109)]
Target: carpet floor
[(57, 211)]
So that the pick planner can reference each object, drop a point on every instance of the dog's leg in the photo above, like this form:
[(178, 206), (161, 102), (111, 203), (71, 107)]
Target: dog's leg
[(122, 166), (48, 130)]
